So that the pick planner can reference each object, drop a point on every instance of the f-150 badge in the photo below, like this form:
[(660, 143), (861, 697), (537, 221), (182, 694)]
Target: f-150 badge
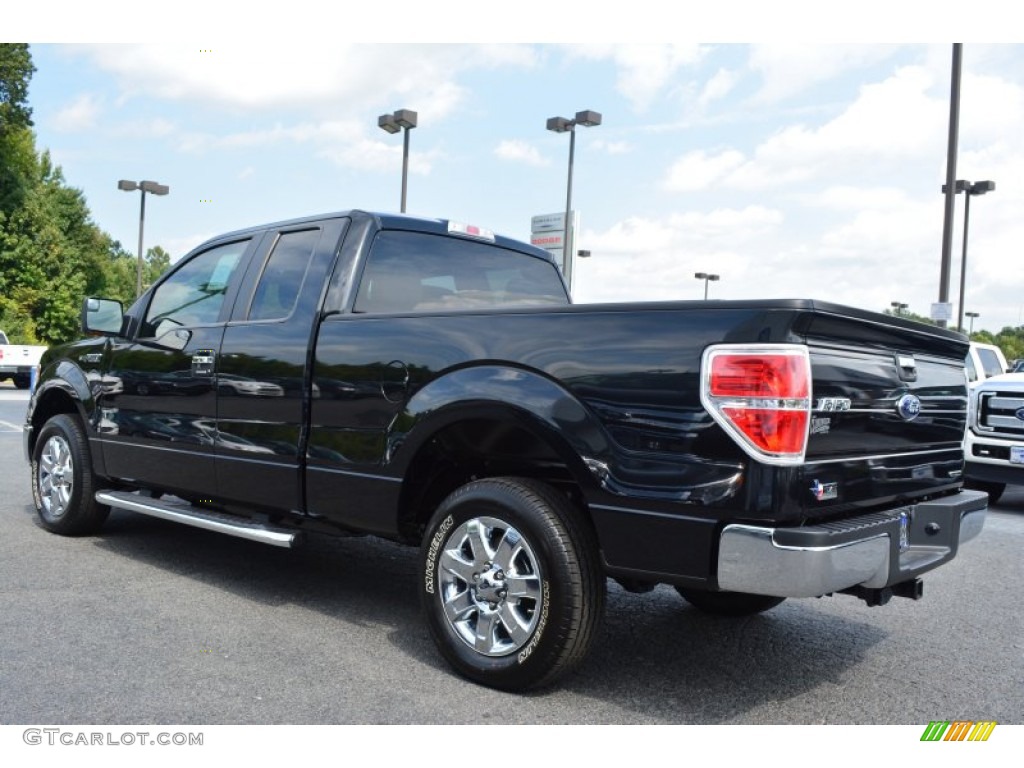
[(832, 404)]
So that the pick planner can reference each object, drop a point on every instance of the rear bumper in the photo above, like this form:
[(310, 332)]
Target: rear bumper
[(872, 551)]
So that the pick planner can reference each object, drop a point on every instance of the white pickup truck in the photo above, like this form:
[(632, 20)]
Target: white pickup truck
[(17, 361), (994, 444)]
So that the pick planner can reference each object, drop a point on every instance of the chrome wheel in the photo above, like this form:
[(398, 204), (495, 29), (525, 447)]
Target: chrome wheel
[(490, 586), (512, 586), (55, 476)]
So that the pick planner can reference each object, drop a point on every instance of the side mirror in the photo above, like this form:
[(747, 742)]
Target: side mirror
[(103, 316)]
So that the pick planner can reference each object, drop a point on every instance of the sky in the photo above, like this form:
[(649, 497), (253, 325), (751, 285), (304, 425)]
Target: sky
[(791, 168)]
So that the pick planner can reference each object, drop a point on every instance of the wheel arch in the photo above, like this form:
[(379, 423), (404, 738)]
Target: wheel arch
[(65, 390), (491, 421)]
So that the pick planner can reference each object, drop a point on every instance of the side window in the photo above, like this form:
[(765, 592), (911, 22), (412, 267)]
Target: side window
[(416, 272), (283, 274), (194, 293), (990, 362)]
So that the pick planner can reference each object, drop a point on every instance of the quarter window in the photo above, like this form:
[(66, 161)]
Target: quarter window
[(283, 274)]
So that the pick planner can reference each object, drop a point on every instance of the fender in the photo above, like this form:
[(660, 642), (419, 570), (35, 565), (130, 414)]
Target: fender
[(521, 394), (58, 382)]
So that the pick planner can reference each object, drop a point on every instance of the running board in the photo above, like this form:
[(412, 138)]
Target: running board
[(180, 511)]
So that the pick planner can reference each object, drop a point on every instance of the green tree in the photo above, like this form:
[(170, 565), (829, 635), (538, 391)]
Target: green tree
[(51, 252), (16, 140), (906, 315), (16, 70), (157, 262)]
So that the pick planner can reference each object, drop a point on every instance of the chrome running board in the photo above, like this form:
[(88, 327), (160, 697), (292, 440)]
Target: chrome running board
[(180, 511)]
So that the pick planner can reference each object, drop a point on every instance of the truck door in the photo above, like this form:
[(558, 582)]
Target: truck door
[(263, 386), (158, 414)]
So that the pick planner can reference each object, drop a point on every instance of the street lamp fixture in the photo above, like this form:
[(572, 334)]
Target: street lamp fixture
[(971, 315), (898, 307), (153, 188), (393, 123), (970, 190), (706, 278), (588, 119)]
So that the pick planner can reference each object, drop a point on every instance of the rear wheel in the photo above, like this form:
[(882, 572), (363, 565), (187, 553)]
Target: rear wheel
[(994, 490), (22, 381), (512, 588), (63, 484), (728, 603)]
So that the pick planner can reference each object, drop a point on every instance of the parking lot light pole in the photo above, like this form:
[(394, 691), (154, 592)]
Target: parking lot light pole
[(971, 315), (402, 119), (706, 278), (153, 188), (969, 190), (898, 307), (588, 119)]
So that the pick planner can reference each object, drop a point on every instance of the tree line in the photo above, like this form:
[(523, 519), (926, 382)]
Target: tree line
[(1010, 339), (52, 254)]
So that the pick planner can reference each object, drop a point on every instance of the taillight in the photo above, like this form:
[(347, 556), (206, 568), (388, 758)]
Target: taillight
[(761, 396)]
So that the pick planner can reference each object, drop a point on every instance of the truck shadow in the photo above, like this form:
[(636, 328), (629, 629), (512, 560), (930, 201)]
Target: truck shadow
[(655, 659)]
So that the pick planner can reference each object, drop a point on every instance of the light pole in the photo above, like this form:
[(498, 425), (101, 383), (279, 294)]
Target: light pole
[(898, 307), (153, 188), (706, 278), (402, 118), (971, 315), (587, 118), (969, 190)]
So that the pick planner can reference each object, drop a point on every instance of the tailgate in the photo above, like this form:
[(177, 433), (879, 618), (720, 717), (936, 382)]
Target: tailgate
[(889, 409)]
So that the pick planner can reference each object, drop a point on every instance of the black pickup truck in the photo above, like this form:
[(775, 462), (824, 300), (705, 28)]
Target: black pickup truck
[(432, 384)]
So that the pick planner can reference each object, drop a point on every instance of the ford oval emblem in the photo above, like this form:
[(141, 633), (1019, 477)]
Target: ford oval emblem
[(908, 407), (1020, 414)]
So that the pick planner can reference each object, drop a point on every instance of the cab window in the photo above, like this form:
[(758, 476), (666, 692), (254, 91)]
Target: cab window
[(418, 272), (194, 293)]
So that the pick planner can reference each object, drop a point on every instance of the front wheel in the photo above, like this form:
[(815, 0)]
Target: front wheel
[(728, 603), (63, 484), (512, 589)]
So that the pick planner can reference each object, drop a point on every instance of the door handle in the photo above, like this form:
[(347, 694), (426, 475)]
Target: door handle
[(203, 361)]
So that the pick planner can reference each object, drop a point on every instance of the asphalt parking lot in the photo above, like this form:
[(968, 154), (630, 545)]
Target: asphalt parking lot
[(150, 622)]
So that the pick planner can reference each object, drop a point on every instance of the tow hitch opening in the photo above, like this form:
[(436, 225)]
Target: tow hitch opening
[(914, 589)]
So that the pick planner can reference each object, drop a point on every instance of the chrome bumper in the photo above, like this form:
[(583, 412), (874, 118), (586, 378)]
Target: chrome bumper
[(873, 551)]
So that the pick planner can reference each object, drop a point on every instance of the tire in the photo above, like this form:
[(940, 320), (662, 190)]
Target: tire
[(63, 484), (728, 603), (994, 490), (21, 381), (508, 535)]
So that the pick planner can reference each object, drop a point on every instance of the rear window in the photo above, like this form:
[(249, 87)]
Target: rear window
[(418, 272)]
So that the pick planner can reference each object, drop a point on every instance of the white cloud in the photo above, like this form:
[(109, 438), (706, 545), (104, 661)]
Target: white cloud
[(699, 170), (899, 119), (646, 259), (787, 70), (373, 155), (611, 147), (718, 87), (644, 70), (79, 115), (519, 151), (326, 78)]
